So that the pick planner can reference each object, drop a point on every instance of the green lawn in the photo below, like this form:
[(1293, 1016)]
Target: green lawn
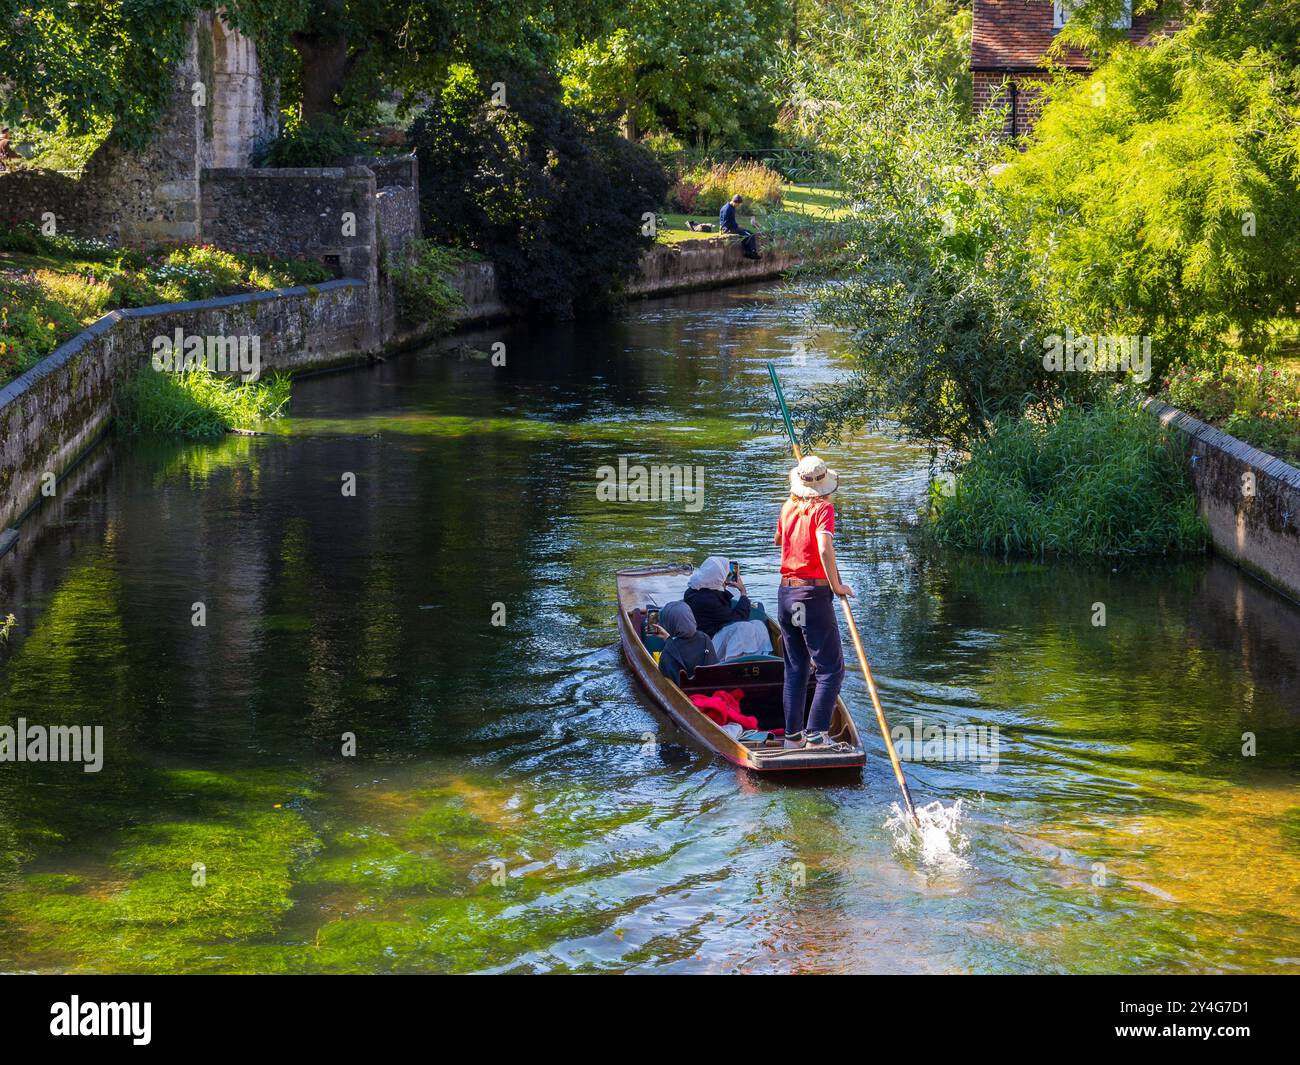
[(816, 203), (15, 260)]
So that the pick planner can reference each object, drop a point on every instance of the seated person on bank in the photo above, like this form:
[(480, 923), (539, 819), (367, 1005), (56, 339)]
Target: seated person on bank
[(734, 634), (685, 646), (727, 223)]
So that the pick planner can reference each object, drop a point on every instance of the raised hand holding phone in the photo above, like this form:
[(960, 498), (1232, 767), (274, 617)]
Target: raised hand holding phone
[(733, 577)]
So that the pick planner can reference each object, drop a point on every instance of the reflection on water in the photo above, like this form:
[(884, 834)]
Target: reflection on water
[(513, 805)]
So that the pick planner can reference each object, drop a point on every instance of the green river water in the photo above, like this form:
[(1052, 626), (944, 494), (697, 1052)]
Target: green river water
[(513, 805)]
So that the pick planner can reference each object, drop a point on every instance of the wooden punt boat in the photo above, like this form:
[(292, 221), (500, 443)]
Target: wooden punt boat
[(760, 679)]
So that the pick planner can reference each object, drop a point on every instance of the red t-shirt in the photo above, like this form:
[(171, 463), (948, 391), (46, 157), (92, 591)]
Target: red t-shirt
[(796, 532)]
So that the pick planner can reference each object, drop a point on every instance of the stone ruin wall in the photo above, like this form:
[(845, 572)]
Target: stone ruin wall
[(243, 109), (152, 196), (193, 181)]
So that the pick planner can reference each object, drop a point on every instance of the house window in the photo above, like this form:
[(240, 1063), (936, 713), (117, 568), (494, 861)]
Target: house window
[(1061, 13)]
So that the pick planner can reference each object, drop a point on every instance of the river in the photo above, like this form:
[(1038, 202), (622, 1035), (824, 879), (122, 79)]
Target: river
[(512, 803)]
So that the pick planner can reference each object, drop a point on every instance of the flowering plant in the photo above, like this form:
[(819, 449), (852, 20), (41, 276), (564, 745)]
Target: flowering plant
[(1258, 402)]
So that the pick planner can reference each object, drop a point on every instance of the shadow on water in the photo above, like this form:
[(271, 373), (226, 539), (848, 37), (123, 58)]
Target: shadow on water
[(512, 804)]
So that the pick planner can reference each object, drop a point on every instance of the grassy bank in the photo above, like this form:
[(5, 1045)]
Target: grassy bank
[(799, 203), (1101, 481), (53, 287)]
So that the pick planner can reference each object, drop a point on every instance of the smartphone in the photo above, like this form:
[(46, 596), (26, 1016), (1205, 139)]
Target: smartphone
[(733, 574), (651, 620)]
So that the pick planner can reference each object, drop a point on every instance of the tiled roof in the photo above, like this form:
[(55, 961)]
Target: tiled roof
[(1014, 34)]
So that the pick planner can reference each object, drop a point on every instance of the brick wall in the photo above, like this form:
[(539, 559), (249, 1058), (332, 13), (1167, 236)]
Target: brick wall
[(1020, 95)]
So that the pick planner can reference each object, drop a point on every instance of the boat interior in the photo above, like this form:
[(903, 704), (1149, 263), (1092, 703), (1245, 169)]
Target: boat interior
[(760, 677)]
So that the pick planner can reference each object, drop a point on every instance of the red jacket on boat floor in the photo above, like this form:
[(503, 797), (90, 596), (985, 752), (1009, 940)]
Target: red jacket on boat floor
[(723, 707)]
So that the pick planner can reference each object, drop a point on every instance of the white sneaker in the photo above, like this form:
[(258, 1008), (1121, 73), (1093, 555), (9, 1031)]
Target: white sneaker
[(793, 741), (821, 741)]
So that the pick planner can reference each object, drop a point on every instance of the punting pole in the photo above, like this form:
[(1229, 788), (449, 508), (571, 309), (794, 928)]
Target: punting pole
[(853, 629)]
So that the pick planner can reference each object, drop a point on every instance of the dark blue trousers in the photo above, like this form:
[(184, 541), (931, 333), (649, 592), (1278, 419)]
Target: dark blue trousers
[(811, 647), (748, 242)]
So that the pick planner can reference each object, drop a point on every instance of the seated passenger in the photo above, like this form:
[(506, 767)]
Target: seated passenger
[(685, 646), (733, 632)]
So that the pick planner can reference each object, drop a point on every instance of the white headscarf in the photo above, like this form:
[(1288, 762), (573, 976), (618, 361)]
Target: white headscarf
[(711, 574)]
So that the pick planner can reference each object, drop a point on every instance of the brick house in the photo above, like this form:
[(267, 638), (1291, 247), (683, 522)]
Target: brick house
[(1008, 41)]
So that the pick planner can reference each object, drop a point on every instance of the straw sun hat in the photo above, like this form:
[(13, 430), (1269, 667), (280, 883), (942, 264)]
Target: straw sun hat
[(812, 478)]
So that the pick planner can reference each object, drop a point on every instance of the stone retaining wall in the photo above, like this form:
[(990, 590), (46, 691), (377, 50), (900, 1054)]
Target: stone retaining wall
[(666, 269), (52, 413), (708, 263), (356, 219), (397, 214), (392, 171), (1250, 499), (477, 285)]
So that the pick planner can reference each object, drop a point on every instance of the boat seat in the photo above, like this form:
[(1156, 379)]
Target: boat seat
[(738, 673), (760, 677)]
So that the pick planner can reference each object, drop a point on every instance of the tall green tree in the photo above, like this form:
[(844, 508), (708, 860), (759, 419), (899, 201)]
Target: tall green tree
[(940, 307), (350, 54), (697, 68), (77, 64), (1225, 27), (1162, 192), (553, 196), (73, 65)]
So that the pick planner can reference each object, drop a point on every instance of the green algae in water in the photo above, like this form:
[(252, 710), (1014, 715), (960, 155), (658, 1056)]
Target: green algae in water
[(464, 876), (377, 868), (702, 431), (451, 881), (141, 910)]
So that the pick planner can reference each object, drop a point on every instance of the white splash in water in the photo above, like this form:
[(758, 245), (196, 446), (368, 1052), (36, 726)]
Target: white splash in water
[(939, 842)]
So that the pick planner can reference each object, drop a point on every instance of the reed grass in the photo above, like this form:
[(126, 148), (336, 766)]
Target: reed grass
[(1104, 480), (197, 404)]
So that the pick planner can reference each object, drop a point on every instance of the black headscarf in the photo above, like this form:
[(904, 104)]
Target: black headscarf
[(686, 648)]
